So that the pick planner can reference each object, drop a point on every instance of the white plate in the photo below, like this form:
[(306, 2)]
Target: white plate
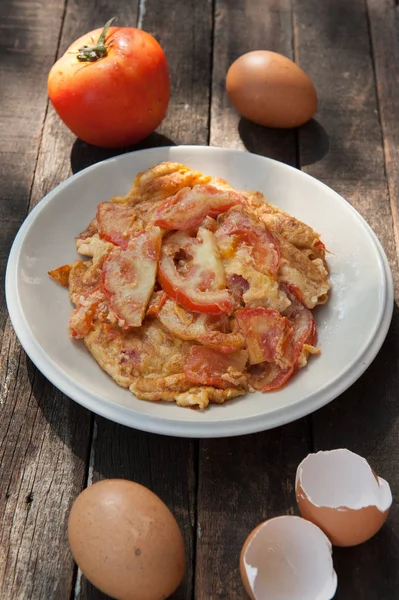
[(352, 326)]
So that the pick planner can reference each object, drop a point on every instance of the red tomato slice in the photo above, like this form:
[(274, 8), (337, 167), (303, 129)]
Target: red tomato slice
[(187, 208), (209, 330), (191, 272), (238, 227), (266, 332), (268, 376), (129, 276), (302, 321), (115, 222), (206, 366)]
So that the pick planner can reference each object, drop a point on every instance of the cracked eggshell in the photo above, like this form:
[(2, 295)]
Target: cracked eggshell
[(288, 558), (338, 491)]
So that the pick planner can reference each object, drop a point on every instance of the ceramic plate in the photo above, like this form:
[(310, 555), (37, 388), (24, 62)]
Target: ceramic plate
[(352, 326)]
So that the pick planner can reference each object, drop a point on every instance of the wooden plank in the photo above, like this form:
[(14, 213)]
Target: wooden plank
[(244, 480), (29, 38), (45, 437), (165, 465), (384, 28), (366, 417), (43, 452), (241, 27)]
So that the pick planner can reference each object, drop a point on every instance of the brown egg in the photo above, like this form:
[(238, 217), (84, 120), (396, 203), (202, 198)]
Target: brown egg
[(338, 491), (271, 90), (126, 541)]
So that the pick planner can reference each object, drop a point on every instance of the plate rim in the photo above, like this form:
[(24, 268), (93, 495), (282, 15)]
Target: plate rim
[(188, 429)]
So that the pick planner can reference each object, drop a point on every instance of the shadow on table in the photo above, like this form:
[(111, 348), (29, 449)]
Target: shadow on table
[(369, 571), (303, 146), (84, 155), (314, 143)]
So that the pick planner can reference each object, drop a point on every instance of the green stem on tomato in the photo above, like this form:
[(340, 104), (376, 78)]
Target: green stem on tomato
[(98, 50)]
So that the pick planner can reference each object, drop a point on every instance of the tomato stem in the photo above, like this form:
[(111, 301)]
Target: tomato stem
[(98, 50)]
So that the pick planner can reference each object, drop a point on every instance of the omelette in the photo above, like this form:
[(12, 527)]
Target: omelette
[(193, 292)]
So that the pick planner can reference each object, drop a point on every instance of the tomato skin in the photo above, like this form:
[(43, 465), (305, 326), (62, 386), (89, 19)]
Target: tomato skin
[(117, 100), (202, 287), (178, 294)]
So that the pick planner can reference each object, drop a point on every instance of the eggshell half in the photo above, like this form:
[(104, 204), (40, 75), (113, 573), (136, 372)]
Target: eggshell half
[(126, 541), (271, 90), (288, 558), (338, 491)]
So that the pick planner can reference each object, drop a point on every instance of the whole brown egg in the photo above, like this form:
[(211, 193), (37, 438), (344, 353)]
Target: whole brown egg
[(271, 90), (126, 541)]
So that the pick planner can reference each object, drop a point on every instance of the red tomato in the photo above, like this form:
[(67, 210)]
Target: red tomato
[(266, 332), (210, 330), (267, 376), (206, 366), (115, 222), (240, 228), (191, 272), (129, 275), (114, 93), (188, 208)]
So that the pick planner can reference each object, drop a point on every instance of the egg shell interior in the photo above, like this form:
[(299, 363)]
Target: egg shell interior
[(338, 491), (288, 558)]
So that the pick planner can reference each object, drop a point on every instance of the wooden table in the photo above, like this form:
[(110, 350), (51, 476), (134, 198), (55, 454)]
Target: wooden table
[(51, 448)]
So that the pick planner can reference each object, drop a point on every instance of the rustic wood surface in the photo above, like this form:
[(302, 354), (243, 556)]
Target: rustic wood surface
[(51, 448)]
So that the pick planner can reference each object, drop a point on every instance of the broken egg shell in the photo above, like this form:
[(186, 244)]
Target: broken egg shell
[(338, 491), (126, 541), (288, 557)]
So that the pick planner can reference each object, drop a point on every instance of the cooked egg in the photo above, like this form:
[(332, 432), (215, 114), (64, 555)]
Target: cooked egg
[(271, 90), (288, 557), (126, 541), (338, 491)]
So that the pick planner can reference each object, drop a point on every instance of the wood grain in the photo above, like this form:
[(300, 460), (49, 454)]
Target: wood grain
[(43, 437), (365, 419), (244, 480), (28, 42), (384, 30), (350, 49), (167, 466), (241, 27)]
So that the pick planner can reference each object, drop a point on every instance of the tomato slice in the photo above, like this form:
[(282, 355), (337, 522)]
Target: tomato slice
[(115, 222), (206, 366), (191, 272), (302, 320), (209, 330), (187, 208), (238, 228), (267, 376), (128, 277), (266, 332)]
